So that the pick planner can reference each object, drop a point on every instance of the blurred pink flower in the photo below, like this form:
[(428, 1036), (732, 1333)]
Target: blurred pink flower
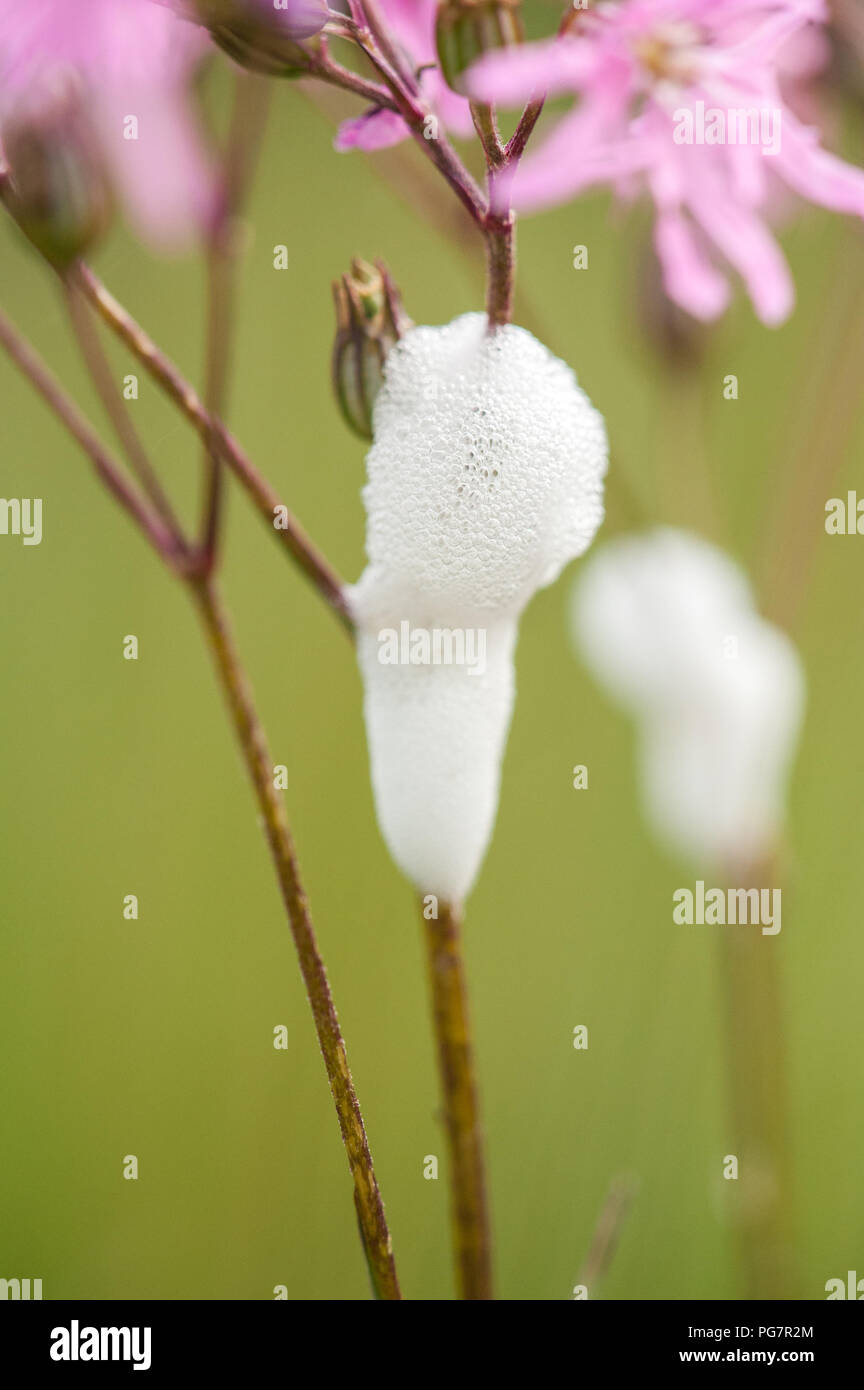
[(412, 24), (661, 82), (133, 60)]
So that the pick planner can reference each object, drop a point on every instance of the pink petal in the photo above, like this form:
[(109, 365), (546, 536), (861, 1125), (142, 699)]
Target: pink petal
[(165, 177), (817, 175), (688, 276), (587, 145), (762, 45), (377, 129), (747, 245), (514, 75)]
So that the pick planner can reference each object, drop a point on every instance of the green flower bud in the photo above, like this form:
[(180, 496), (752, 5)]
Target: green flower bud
[(466, 29), (369, 320), (263, 35), (57, 189)]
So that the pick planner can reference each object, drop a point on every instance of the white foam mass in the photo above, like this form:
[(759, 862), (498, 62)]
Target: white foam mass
[(668, 625), (484, 480)]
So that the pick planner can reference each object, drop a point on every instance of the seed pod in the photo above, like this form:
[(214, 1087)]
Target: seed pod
[(466, 29), (261, 35), (369, 320), (58, 191)]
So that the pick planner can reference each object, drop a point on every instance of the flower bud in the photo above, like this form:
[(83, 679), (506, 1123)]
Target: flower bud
[(57, 190), (466, 29), (263, 35), (369, 320)]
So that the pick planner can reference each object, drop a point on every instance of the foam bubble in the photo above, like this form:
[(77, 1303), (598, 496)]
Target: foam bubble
[(484, 480), (668, 625)]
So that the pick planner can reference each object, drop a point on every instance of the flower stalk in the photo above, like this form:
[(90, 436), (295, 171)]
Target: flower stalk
[(248, 118), (756, 1071), (469, 1207), (377, 1242), (175, 552), (288, 531)]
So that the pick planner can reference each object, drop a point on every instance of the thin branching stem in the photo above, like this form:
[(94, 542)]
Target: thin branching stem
[(250, 734), (280, 520), (161, 538), (86, 336), (257, 759), (248, 118)]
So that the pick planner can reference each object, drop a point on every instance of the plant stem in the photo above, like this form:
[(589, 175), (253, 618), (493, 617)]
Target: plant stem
[(370, 1211), (500, 267), (486, 127), (333, 73), (115, 407), (607, 1232), (469, 1213), (289, 532), (515, 147), (756, 1061), (819, 442), (496, 224), (685, 483), (163, 541), (248, 117), (256, 756), (416, 115)]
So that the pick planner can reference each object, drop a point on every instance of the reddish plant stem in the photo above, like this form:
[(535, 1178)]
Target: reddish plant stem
[(246, 132), (289, 532), (162, 539), (421, 122), (486, 127), (256, 756), (515, 148), (500, 267), (253, 744), (495, 222), (115, 407), (335, 75)]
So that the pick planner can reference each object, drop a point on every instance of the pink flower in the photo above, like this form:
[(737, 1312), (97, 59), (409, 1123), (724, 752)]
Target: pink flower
[(682, 98), (133, 61), (412, 25)]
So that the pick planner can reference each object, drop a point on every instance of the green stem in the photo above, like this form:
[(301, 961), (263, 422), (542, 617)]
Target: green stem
[(756, 1062), (256, 756), (469, 1209)]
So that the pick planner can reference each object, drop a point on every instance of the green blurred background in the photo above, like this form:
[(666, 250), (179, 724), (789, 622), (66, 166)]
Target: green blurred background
[(154, 1037)]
